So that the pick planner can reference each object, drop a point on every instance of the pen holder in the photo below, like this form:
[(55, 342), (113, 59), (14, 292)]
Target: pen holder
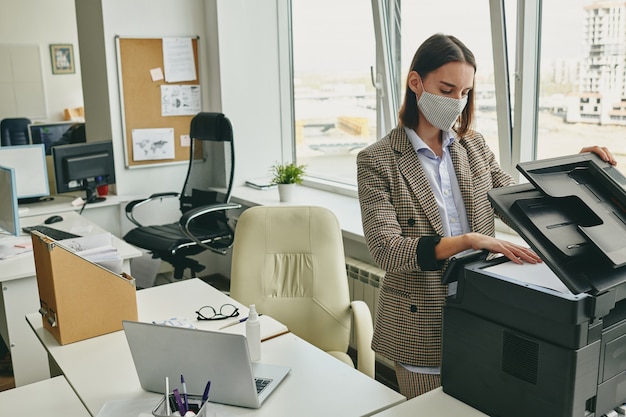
[(195, 405)]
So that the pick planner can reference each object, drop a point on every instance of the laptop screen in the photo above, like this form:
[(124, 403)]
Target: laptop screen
[(161, 351)]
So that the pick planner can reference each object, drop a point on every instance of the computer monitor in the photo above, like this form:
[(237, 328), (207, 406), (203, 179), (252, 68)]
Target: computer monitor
[(31, 173), (83, 166), (51, 134), (9, 215)]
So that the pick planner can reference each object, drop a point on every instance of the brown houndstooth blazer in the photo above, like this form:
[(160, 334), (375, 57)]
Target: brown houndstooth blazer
[(397, 207)]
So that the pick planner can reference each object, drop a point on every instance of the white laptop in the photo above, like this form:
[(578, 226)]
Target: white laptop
[(200, 355)]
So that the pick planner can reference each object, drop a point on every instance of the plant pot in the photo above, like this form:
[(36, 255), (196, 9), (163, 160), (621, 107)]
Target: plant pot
[(286, 192)]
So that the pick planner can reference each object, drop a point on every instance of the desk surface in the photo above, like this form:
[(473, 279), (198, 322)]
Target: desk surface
[(51, 398), (435, 403), (23, 265), (101, 369), (20, 295), (63, 204)]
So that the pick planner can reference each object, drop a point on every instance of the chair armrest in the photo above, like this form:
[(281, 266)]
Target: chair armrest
[(130, 207), (363, 332), (192, 214)]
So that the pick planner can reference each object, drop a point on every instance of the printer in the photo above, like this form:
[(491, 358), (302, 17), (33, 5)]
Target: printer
[(546, 339)]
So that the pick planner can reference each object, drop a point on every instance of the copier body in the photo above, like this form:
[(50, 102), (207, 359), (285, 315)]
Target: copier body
[(516, 347)]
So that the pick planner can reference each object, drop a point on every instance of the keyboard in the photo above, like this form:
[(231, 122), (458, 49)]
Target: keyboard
[(55, 234), (261, 383)]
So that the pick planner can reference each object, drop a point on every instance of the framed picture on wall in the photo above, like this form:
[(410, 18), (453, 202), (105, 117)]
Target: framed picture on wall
[(62, 58)]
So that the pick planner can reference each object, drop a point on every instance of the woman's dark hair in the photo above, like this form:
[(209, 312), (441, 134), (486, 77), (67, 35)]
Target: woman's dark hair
[(435, 52)]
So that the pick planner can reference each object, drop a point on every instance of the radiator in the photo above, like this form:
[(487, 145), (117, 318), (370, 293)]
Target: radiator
[(364, 283)]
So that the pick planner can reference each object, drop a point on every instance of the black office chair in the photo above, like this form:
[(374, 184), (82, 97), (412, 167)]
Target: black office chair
[(204, 223), (14, 131)]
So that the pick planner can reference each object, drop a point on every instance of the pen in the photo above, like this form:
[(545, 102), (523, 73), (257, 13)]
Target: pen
[(232, 323), (205, 396), (179, 403), (185, 398), (168, 411)]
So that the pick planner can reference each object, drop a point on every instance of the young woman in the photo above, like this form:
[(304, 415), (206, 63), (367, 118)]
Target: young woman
[(423, 196)]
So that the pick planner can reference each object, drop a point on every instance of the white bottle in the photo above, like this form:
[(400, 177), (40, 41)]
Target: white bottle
[(253, 334)]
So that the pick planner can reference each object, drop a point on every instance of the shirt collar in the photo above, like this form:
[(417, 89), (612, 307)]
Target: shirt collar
[(420, 146)]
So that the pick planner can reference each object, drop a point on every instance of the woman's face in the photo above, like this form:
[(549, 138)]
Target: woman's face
[(454, 80)]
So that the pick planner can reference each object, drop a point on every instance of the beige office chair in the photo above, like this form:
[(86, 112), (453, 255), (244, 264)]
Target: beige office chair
[(289, 262)]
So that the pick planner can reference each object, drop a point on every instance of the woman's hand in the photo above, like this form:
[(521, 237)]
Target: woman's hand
[(516, 253), (450, 246), (602, 152)]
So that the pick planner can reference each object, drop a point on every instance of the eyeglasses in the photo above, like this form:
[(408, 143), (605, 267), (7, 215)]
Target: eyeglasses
[(209, 312)]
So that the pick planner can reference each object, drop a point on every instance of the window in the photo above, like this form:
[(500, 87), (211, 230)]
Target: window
[(582, 79), (470, 22), (551, 103), (334, 98)]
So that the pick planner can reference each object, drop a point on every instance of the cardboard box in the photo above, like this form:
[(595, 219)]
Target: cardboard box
[(79, 299)]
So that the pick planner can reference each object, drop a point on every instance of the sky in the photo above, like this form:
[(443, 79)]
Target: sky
[(340, 33)]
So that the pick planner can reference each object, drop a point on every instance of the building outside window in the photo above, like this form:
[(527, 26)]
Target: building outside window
[(583, 72)]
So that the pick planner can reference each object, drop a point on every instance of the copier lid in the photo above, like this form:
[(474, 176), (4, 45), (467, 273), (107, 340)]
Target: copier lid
[(573, 214)]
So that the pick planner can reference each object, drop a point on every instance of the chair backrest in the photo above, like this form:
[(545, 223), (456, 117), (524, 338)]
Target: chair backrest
[(290, 262), (210, 179), (14, 131)]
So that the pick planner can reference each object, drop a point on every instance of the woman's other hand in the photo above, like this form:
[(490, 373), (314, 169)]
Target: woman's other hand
[(516, 253), (602, 152)]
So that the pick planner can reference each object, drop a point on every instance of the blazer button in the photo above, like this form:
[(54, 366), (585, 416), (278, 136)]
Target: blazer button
[(411, 222), (413, 308)]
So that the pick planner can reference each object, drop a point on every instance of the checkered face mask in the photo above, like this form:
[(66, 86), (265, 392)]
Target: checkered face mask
[(441, 112)]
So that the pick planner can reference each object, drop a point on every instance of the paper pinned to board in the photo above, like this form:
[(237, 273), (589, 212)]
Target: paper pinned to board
[(153, 144), (178, 60)]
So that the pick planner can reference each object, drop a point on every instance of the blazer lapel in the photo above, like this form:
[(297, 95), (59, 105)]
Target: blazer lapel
[(411, 169)]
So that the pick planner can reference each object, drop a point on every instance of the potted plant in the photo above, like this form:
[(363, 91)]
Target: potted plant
[(287, 176)]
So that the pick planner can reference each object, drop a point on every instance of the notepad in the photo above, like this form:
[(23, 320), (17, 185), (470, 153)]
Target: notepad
[(264, 183), (270, 327)]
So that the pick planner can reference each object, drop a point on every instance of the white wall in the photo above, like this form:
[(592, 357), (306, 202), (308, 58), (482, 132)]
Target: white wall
[(143, 18), (45, 22), (241, 72), (251, 80)]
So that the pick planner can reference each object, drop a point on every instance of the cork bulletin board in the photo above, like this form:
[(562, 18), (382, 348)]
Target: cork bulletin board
[(141, 101)]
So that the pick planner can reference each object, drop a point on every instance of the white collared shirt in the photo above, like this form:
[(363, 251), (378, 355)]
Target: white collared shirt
[(443, 183)]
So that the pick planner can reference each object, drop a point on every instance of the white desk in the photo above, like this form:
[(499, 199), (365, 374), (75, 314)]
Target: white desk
[(20, 296), (101, 369), (435, 403), (109, 214), (51, 398)]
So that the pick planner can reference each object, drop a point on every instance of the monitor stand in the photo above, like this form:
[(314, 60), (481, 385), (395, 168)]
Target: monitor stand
[(93, 197)]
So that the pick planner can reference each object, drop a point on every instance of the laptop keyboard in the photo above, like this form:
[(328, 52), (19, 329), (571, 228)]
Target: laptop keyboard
[(55, 234), (261, 383)]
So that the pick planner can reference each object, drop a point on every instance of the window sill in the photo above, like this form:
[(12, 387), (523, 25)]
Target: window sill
[(346, 208)]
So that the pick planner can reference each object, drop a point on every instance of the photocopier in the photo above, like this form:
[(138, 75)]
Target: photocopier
[(546, 339)]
